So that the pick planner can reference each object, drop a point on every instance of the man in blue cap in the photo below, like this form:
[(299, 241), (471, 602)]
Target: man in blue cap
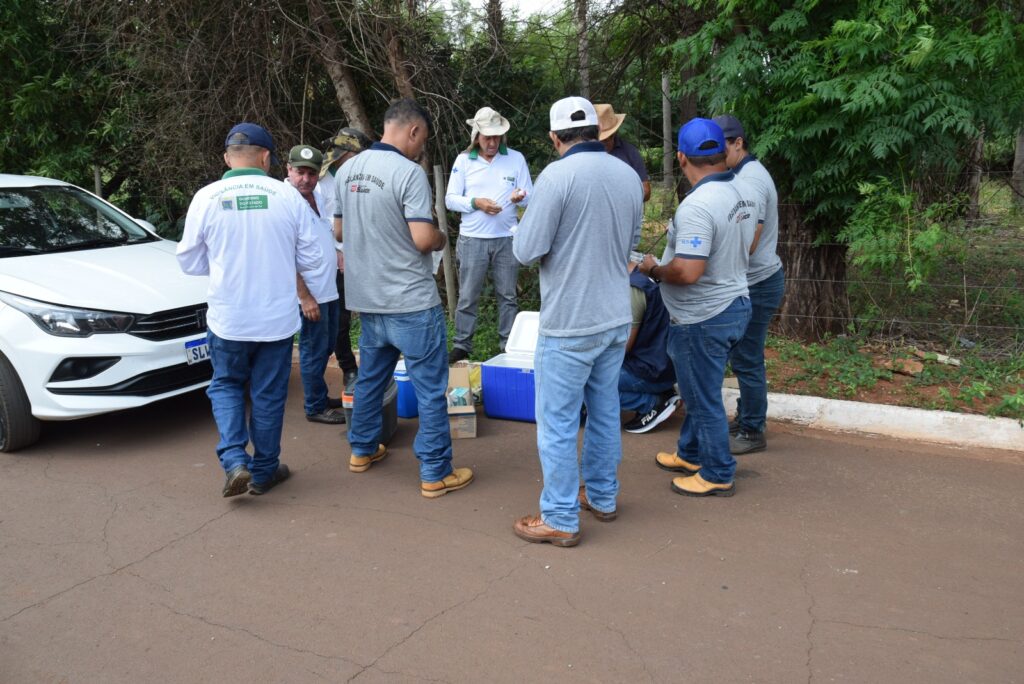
[(703, 275), (250, 234), (767, 284)]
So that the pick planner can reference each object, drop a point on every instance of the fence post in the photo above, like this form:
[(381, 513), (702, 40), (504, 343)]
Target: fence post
[(442, 224)]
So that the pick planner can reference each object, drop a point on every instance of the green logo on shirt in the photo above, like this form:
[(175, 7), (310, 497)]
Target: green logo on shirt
[(245, 202)]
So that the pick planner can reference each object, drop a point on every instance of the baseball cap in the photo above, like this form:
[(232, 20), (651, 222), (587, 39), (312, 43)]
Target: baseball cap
[(730, 125), (562, 111), (304, 155), (696, 133), (251, 134)]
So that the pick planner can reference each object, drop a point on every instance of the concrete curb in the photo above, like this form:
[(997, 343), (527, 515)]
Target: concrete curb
[(899, 422)]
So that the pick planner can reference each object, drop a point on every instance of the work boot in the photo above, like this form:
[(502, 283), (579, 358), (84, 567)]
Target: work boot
[(280, 475), (533, 529), (672, 462), (744, 442), (236, 481), (695, 485), (600, 515), (360, 464), (330, 416), (459, 478)]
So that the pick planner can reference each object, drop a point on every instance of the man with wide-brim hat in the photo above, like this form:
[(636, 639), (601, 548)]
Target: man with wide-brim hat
[(488, 182), (348, 143), (609, 123)]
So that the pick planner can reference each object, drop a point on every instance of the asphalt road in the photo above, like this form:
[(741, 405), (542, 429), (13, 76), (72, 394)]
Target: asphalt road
[(839, 559)]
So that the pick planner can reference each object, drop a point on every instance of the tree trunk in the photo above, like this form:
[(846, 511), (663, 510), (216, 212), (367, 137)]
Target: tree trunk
[(815, 301), (1017, 182), (496, 24), (399, 68), (584, 47), (666, 132), (974, 180), (329, 50)]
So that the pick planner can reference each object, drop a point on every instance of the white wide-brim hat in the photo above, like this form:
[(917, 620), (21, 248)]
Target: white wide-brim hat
[(488, 122)]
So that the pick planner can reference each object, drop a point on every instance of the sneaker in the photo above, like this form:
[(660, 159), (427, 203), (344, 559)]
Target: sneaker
[(349, 381), (533, 529), (672, 462), (459, 478), (695, 485), (457, 354), (600, 515), (661, 412), (280, 475), (744, 442), (236, 481), (329, 416), (360, 464)]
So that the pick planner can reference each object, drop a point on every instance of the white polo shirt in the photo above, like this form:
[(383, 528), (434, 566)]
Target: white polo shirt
[(472, 176), (250, 234), (322, 283)]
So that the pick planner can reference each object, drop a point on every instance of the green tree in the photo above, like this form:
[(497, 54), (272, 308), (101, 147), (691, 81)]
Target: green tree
[(837, 95)]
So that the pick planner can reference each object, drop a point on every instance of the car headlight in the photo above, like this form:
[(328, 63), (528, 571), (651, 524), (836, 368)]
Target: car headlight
[(66, 321)]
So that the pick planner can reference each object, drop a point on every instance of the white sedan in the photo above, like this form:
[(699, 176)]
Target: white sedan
[(95, 315)]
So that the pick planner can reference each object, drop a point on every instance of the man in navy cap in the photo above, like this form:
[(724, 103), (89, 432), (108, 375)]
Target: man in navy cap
[(703, 275), (767, 285), (250, 234)]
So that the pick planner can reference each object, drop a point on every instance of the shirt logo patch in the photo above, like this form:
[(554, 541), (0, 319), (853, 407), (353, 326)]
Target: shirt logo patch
[(227, 204), (695, 242), (249, 202)]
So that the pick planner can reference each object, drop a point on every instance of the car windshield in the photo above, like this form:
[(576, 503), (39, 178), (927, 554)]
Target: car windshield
[(58, 218)]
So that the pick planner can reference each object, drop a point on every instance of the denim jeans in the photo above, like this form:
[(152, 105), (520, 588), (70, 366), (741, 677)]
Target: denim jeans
[(315, 341), (699, 352), (422, 338), (569, 371), (343, 342), (747, 357), (476, 256), (265, 366), (637, 394)]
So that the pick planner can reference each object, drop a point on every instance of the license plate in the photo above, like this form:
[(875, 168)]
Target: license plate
[(196, 351)]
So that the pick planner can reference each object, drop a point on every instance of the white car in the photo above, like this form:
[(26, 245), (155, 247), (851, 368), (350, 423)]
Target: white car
[(95, 315)]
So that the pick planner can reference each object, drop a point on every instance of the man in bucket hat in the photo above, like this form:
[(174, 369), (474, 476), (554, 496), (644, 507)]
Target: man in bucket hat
[(348, 143), (488, 181), (609, 123)]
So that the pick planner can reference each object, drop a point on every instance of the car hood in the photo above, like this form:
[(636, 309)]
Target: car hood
[(142, 278)]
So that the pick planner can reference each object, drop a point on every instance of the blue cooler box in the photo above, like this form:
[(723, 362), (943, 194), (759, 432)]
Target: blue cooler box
[(507, 379), (408, 407)]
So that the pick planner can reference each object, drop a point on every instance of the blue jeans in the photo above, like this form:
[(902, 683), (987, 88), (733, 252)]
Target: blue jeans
[(747, 358), (266, 367), (637, 394), (699, 352), (569, 371), (422, 338), (316, 343), (476, 256)]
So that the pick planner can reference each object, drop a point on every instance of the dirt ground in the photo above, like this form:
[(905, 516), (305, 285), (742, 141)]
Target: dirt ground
[(839, 559)]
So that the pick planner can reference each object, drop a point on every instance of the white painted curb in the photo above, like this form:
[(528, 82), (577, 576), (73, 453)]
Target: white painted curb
[(899, 422)]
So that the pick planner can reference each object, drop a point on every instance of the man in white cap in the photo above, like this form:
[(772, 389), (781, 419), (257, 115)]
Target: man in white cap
[(584, 218), (489, 180), (617, 147)]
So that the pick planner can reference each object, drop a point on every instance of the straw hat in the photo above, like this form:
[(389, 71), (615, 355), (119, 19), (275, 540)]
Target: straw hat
[(608, 120)]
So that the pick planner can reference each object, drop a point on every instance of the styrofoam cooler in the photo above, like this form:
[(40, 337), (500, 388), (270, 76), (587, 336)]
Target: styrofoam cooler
[(507, 379), (389, 411), (408, 407)]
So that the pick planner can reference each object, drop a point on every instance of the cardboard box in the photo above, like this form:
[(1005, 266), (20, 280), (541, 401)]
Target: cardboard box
[(461, 419)]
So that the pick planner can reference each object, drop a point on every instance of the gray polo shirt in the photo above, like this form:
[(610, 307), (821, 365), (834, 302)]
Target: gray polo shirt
[(378, 192), (765, 261), (581, 224), (716, 222)]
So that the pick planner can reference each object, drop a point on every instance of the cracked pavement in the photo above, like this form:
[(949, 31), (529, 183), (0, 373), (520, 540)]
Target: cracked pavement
[(840, 559)]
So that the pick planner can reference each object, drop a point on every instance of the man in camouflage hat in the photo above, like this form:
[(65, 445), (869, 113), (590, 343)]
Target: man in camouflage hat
[(348, 143)]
